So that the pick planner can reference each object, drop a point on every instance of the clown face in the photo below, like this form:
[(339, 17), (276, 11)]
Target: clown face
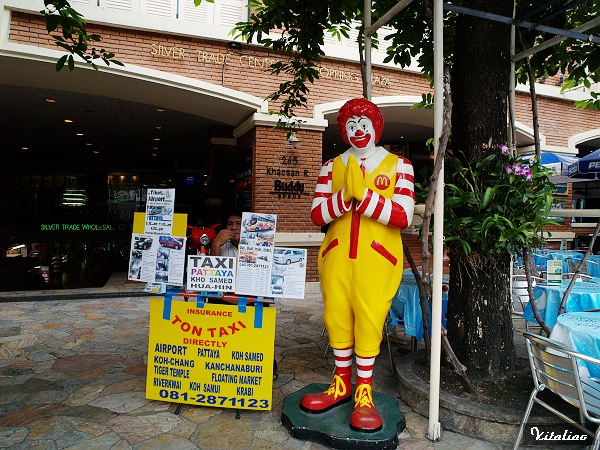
[(361, 134)]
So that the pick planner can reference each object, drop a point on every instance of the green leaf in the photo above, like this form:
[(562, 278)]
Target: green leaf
[(73, 34), (51, 23), (61, 62), (486, 197)]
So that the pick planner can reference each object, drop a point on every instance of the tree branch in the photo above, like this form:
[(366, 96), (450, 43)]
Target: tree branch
[(534, 308), (423, 298), (434, 177), (74, 30), (534, 106), (459, 368), (578, 270)]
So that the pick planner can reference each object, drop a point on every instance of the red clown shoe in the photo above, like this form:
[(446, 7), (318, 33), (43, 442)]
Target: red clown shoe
[(364, 417), (338, 393)]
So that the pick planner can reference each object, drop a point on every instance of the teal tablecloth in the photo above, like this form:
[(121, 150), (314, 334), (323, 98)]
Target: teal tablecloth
[(406, 307), (548, 298), (594, 269), (580, 331)]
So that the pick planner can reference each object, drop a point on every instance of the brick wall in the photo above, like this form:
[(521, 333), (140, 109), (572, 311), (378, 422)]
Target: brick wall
[(244, 70), (312, 272), (414, 247), (276, 165), (215, 63), (559, 119)]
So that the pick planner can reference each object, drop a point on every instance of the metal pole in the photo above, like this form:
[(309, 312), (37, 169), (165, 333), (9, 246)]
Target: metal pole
[(367, 24), (555, 40), (434, 432), (574, 213), (387, 16), (522, 23)]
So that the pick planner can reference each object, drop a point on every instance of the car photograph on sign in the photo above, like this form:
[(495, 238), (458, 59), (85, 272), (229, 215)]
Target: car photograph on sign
[(287, 256), (259, 224), (171, 242), (155, 211), (142, 243)]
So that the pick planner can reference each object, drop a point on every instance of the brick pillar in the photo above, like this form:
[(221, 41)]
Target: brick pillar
[(284, 181)]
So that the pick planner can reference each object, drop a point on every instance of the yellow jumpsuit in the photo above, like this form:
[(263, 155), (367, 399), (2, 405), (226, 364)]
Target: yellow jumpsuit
[(360, 267)]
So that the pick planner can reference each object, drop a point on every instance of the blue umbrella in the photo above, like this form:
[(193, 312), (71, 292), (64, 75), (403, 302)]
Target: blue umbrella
[(587, 167), (558, 163)]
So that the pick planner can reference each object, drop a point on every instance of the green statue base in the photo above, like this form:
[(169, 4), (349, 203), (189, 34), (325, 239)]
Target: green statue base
[(332, 428)]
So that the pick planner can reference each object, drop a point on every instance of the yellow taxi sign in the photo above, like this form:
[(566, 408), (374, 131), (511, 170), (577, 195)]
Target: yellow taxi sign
[(213, 355)]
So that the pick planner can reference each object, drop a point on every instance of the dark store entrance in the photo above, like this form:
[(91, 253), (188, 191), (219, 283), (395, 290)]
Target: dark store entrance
[(71, 187)]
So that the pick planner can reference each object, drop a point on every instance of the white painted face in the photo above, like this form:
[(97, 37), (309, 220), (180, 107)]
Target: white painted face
[(361, 134)]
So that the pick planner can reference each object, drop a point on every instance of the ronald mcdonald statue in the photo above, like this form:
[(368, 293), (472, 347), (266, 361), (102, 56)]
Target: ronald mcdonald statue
[(366, 194)]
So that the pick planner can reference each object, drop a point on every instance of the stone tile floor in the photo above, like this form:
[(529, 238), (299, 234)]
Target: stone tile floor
[(72, 376)]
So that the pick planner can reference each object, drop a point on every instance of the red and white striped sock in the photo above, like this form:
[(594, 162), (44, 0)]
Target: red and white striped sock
[(364, 370), (343, 360)]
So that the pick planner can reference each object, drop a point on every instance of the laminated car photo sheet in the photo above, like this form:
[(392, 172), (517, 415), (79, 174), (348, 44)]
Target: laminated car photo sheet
[(157, 259), (160, 206), (288, 277), (255, 254)]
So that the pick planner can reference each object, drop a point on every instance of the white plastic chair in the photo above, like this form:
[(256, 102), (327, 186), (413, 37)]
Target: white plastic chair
[(554, 367)]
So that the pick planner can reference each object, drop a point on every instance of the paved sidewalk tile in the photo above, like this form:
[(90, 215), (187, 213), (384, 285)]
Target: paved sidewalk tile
[(72, 376)]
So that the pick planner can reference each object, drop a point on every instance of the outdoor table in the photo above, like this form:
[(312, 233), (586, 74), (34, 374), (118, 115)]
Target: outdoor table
[(406, 305), (580, 331), (548, 298)]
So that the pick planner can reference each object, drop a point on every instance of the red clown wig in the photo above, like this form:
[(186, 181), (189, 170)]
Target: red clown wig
[(360, 107)]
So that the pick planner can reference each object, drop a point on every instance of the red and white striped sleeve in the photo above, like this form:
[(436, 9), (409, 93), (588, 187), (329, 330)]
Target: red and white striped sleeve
[(326, 205), (397, 211)]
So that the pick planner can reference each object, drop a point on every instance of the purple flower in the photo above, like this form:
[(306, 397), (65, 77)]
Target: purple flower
[(504, 148), (517, 169), (508, 169), (527, 173)]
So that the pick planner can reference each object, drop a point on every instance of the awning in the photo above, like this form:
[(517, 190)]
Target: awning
[(559, 164), (587, 168)]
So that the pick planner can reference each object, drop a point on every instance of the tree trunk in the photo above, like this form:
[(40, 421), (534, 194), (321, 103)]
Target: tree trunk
[(479, 314), (481, 58)]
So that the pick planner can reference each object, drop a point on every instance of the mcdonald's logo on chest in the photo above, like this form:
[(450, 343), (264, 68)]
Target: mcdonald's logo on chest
[(382, 182)]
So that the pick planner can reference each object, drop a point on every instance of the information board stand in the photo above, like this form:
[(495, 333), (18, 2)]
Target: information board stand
[(211, 353)]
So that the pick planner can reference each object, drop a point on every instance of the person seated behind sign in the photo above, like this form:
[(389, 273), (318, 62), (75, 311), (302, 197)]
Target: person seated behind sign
[(226, 244), (227, 240)]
